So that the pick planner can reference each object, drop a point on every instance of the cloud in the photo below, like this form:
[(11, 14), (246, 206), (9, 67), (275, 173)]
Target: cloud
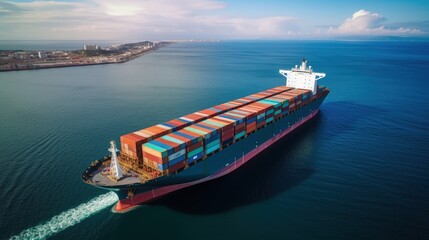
[(422, 26), (168, 19), (366, 23), (128, 19), (8, 8)]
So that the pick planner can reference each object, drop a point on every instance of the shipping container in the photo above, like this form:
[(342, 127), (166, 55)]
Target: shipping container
[(166, 151), (194, 145), (131, 143), (176, 167)]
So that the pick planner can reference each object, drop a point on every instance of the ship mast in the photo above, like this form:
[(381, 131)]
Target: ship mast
[(115, 169), (302, 77)]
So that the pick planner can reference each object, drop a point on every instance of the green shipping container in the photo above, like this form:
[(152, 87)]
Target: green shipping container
[(215, 142), (195, 152), (239, 135), (212, 149)]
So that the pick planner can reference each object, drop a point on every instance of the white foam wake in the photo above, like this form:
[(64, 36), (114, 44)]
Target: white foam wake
[(68, 218)]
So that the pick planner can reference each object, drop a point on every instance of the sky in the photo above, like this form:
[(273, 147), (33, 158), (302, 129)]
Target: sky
[(211, 19)]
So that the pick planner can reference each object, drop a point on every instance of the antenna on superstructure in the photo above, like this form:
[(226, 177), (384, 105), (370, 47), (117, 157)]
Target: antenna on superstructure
[(302, 77), (115, 169)]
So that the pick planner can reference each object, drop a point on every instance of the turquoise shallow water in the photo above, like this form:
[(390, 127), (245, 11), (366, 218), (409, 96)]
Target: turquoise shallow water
[(357, 171)]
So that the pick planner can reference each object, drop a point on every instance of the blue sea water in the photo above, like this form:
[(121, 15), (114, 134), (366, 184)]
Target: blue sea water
[(358, 170)]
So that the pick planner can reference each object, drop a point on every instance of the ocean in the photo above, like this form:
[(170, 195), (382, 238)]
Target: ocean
[(358, 170)]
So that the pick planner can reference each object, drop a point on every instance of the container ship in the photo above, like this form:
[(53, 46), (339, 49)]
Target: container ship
[(207, 144)]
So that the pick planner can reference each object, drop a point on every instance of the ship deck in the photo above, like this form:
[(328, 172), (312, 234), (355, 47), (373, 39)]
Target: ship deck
[(102, 179)]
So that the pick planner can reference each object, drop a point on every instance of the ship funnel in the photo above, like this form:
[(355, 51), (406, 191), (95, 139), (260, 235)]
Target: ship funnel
[(303, 64)]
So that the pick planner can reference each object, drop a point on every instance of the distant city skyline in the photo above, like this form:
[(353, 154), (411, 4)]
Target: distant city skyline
[(210, 19)]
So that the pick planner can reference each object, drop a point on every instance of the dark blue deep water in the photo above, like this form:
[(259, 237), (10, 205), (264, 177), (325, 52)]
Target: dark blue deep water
[(358, 170)]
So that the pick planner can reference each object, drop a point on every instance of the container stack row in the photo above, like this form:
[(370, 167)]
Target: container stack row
[(285, 102), (176, 150), (304, 95), (131, 143)]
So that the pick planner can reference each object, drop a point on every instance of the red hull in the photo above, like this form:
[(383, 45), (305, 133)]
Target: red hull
[(128, 203)]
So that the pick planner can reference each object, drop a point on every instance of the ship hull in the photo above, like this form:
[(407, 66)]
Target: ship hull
[(221, 163)]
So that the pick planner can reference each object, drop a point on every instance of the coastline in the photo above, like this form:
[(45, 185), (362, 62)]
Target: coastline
[(62, 59)]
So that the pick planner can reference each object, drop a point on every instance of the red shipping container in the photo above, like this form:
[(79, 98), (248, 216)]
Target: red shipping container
[(231, 130), (261, 124), (157, 130), (239, 130), (241, 125), (131, 145), (251, 128), (178, 123), (209, 112), (222, 107), (169, 143), (156, 159), (263, 105), (227, 136), (195, 146), (177, 166)]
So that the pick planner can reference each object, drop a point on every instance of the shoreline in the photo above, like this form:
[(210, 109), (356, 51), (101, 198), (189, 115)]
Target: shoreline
[(126, 53)]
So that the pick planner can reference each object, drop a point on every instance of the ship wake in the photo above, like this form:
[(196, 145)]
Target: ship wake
[(68, 218)]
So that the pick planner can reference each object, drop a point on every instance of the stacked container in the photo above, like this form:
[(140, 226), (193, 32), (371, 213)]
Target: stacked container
[(269, 109), (202, 133), (250, 117), (224, 106), (210, 135), (294, 98), (131, 143), (165, 153), (240, 122), (194, 144), (285, 100), (260, 113), (177, 124), (277, 108), (302, 94), (226, 127)]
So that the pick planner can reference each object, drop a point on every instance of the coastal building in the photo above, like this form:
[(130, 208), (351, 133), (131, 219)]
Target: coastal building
[(90, 47), (147, 44), (42, 55), (22, 55)]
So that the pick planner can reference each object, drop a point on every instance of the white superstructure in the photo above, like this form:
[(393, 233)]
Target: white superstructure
[(302, 77), (115, 169)]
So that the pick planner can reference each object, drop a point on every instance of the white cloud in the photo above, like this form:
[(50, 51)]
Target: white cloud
[(366, 23), (165, 19), (248, 27), (128, 19)]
